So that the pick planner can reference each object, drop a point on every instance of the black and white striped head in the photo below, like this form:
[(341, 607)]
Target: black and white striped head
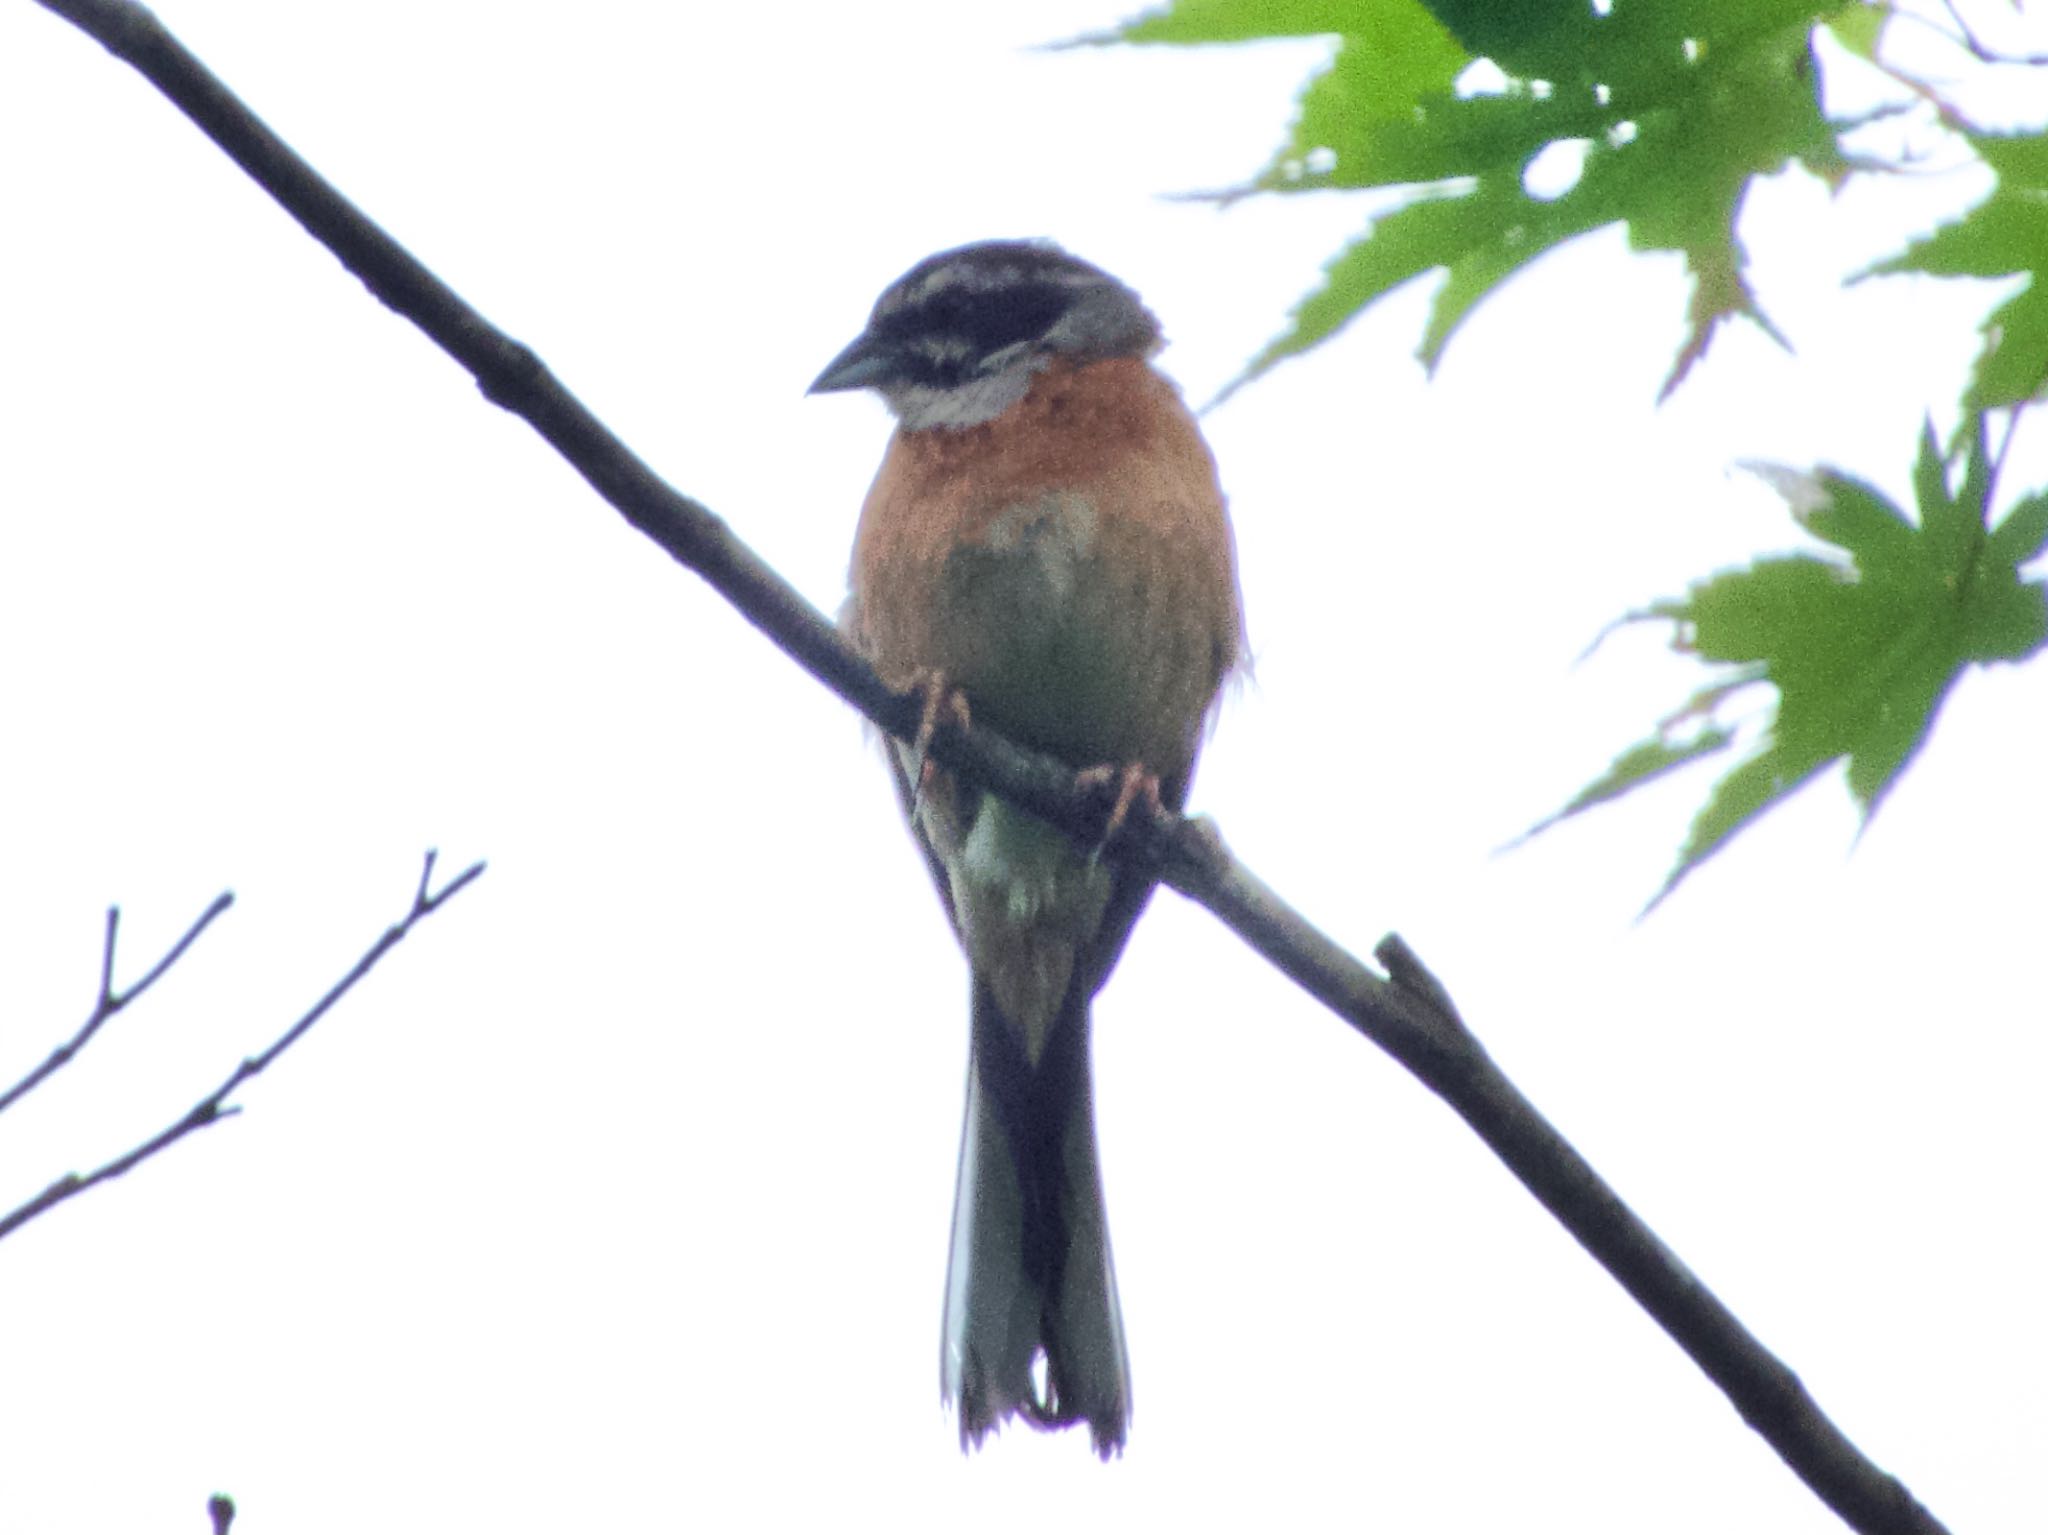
[(956, 340)]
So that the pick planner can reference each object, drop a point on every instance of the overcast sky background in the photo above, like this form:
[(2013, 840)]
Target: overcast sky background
[(618, 1198)]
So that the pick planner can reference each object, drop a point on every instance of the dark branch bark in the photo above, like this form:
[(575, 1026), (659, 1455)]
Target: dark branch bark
[(1406, 1012), (215, 1107), (111, 1002)]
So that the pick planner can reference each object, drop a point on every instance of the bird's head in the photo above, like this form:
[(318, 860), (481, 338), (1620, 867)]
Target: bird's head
[(957, 339)]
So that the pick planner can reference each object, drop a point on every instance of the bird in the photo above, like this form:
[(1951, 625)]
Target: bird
[(1045, 550)]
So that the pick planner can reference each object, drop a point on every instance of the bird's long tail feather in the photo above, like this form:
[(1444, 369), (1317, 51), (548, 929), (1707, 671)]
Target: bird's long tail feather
[(1032, 1323)]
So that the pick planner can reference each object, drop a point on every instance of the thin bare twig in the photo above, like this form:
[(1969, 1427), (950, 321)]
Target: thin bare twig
[(214, 1106), (110, 1002), (2012, 425), (1407, 1015), (1975, 47)]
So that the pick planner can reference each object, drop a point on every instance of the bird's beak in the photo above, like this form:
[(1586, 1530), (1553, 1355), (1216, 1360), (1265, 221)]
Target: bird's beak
[(866, 362)]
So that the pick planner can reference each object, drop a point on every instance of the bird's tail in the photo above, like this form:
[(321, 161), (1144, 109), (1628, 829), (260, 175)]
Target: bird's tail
[(1032, 1323)]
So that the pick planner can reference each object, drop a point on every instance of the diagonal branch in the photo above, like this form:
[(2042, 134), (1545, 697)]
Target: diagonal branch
[(215, 1107), (1405, 1011), (111, 1002), (1970, 43)]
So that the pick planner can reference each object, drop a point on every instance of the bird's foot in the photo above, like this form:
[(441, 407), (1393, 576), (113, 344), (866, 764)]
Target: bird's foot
[(942, 702), (1135, 785)]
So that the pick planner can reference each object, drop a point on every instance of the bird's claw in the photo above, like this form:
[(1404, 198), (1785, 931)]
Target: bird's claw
[(941, 702), (1135, 784)]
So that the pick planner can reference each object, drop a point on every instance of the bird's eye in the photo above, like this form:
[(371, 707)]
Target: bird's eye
[(994, 321)]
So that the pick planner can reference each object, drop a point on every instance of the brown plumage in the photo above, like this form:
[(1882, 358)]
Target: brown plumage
[(1046, 536), (1102, 465)]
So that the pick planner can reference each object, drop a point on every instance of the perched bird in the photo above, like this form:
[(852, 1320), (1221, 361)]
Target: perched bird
[(1045, 546)]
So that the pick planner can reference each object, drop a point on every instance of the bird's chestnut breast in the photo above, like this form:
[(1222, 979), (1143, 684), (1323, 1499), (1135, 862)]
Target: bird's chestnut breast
[(1067, 565)]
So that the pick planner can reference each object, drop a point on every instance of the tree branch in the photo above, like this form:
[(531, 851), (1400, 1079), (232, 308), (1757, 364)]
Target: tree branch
[(1969, 42), (111, 1002), (214, 1106), (1405, 1012)]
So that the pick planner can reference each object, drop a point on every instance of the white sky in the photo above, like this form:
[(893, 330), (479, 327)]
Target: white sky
[(618, 1198)]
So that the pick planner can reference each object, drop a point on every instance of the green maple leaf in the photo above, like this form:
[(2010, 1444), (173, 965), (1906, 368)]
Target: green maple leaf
[(2006, 235), (1861, 645), (1675, 109)]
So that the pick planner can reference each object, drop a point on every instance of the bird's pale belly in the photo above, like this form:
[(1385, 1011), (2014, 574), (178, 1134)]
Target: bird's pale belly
[(1048, 626)]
